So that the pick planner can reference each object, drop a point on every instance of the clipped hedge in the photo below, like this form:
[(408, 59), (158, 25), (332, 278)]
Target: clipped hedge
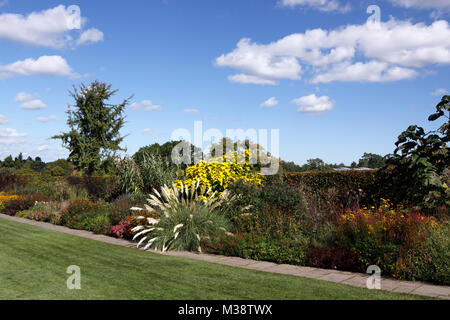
[(97, 187), (368, 185)]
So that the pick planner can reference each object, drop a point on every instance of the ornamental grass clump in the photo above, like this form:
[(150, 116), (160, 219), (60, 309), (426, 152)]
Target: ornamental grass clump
[(185, 217)]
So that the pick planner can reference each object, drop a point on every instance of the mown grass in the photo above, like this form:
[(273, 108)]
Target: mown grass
[(33, 264)]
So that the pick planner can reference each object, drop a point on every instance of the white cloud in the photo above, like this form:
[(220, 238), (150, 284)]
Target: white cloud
[(271, 102), (3, 119), (322, 5), (43, 66), (47, 119), (10, 136), (313, 104), (23, 96), (48, 28), (246, 79), (387, 48), (439, 92), (147, 131), (259, 65), (147, 105), (194, 111), (44, 147), (92, 35), (28, 102), (33, 105), (428, 4), (372, 71)]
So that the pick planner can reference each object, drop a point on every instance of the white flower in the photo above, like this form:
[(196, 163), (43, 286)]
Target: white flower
[(137, 228), (152, 221), (178, 226)]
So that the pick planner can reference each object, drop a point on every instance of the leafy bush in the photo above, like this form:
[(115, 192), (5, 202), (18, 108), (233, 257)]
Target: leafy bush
[(336, 258), (124, 228), (87, 215), (218, 174), (120, 207), (351, 188), (44, 211), (419, 162), (249, 246), (272, 209), (431, 260), (21, 203), (383, 236), (97, 187)]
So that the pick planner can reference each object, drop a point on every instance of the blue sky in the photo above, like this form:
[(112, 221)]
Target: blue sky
[(334, 86)]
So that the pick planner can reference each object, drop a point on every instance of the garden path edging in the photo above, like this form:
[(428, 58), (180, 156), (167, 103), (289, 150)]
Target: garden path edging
[(336, 276)]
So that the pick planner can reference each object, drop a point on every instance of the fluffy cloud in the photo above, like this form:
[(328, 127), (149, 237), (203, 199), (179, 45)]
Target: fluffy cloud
[(386, 48), (47, 119), (373, 71), (28, 102), (3, 119), (33, 105), (193, 111), (92, 35), (147, 105), (313, 104), (147, 131), (271, 102), (428, 4), (10, 136), (43, 66), (322, 5), (259, 65), (23, 96), (48, 28)]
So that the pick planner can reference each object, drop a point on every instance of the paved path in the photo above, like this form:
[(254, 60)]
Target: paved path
[(348, 278)]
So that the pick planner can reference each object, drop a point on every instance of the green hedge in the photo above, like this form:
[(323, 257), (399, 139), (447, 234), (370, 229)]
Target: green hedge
[(97, 187), (367, 185)]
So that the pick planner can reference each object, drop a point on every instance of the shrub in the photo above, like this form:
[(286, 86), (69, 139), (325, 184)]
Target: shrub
[(124, 227), (430, 261), (249, 246), (336, 258), (384, 236), (21, 203), (120, 208), (276, 210), (97, 187), (87, 215), (350, 188), (218, 174), (43, 211)]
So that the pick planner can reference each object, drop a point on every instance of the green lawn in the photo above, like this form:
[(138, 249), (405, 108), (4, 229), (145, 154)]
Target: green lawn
[(33, 263)]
